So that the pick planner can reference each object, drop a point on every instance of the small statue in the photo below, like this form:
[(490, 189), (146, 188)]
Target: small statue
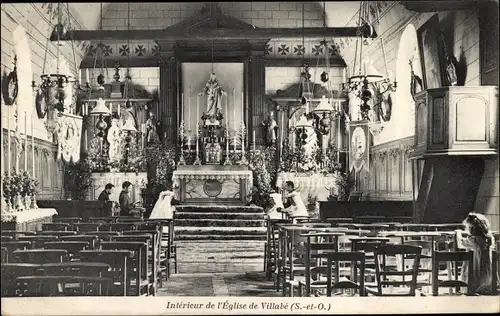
[(271, 129), (114, 140), (151, 129)]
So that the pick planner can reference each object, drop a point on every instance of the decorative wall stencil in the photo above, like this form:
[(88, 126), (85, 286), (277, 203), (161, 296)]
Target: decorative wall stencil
[(155, 50), (299, 50), (140, 50), (107, 50), (124, 50), (283, 49), (268, 50), (317, 50)]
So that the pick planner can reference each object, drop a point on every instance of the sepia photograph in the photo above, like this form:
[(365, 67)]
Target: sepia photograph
[(239, 158)]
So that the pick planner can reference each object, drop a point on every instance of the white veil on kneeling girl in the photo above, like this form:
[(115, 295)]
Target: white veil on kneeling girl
[(163, 207)]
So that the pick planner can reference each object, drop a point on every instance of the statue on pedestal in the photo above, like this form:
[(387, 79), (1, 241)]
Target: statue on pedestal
[(271, 130), (114, 140), (214, 92), (151, 129)]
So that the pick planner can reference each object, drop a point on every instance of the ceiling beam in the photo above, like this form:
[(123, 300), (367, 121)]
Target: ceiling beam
[(211, 34)]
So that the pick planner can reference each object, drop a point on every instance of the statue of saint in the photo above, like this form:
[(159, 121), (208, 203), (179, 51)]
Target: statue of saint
[(128, 113), (271, 129), (114, 140), (310, 146), (214, 93), (151, 129)]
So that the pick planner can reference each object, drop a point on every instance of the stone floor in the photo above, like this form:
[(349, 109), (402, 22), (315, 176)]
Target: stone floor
[(252, 284)]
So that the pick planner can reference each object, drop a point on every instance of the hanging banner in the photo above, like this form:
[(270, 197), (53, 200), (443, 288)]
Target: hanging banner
[(359, 145), (69, 131)]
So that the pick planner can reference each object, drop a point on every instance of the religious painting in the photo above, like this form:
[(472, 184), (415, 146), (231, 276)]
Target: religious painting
[(359, 145), (431, 53)]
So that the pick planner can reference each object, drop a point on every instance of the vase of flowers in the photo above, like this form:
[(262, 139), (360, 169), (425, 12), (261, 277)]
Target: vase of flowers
[(29, 190), (18, 202)]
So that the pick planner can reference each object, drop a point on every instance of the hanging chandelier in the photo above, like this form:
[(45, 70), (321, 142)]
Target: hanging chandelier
[(366, 82), (321, 116)]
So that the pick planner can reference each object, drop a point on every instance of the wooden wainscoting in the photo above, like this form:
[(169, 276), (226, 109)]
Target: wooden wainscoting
[(48, 170), (390, 175)]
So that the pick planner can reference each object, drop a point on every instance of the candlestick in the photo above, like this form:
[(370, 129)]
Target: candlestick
[(189, 110), (25, 140), (9, 156), (282, 138), (242, 108), (234, 106), (33, 145), (254, 140), (182, 107), (226, 115)]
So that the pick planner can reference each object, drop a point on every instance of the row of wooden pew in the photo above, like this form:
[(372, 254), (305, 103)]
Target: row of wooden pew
[(102, 256)]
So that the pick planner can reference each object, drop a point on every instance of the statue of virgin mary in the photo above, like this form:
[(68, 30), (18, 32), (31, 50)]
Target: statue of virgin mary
[(214, 93), (114, 140)]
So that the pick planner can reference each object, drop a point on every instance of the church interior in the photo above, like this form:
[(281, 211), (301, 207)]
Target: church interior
[(257, 149)]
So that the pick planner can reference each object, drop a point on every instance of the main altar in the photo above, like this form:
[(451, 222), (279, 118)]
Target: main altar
[(212, 166)]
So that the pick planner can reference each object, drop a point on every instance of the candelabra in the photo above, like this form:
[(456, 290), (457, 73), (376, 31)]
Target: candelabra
[(182, 161), (197, 161), (227, 161)]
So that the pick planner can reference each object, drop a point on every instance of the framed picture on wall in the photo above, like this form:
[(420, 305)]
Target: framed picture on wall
[(431, 53)]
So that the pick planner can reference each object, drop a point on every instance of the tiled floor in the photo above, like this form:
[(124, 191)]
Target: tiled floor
[(219, 284)]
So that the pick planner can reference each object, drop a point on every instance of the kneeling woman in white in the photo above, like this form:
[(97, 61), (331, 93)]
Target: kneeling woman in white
[(163, 207), (273, 213)]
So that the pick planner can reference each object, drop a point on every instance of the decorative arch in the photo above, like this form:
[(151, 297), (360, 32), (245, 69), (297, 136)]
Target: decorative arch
[(402, 123), (24, 71)]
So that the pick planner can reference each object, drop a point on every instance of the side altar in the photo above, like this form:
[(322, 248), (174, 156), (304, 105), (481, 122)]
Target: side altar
[(213, 184)]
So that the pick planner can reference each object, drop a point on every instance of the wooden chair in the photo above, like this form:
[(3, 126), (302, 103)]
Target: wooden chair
[(91, 239), (5, 255), (368, 247), (357, 260), (392, 282), (38, 241), (452, 257), (103, 235), (11, 271), (73, 248), (166, 238), (118, 227), (86, 227), (152, 259), (50, 285), (57, 233), (56, 226), (40, 256), (355, 196), (118, 260), (10, 246), (15, 233), (316, 249), (111, 219), (76, 268), (139, 263), (70, 220), (7, 238)]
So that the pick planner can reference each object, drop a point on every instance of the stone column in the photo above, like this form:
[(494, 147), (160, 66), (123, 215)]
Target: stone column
[(169, 86), (256, 81)]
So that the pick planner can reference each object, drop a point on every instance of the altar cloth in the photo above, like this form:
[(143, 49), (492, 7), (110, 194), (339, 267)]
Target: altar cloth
[(317, 185), (29, 215)]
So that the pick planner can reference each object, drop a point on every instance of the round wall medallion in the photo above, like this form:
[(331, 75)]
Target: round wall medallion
[(212, 187)]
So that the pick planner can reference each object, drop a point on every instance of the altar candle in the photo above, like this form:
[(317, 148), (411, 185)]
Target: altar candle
[(189, 109), (282, 130), (9, 156), (118, 110), (25, 140), (242, 108), (254, 140), (87, 77), (33, 145), (226, 114), (182, 107), (234, 105)]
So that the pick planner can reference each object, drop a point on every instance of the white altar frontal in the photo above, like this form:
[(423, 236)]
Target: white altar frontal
[(317, 185), (213, 184)]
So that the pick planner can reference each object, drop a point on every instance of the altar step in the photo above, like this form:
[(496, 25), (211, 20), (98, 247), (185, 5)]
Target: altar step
[(220, 256), (219, 222)]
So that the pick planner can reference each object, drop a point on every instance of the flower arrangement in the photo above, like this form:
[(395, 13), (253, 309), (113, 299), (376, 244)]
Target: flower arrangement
[(312, 206), (19, 190), (78, 178), (264, 174)]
